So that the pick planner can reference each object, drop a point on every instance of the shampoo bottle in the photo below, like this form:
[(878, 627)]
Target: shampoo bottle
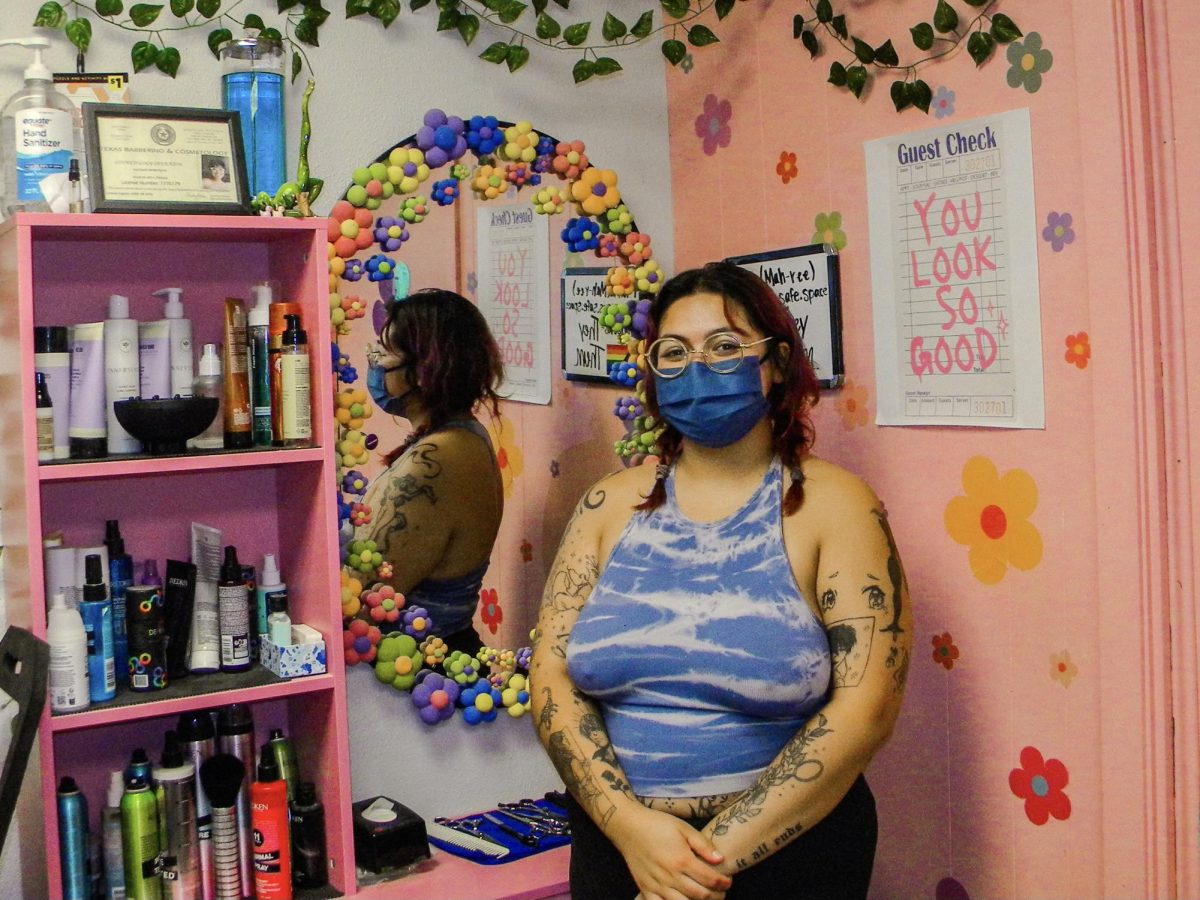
[(87, 428), (44, 410), (52, 357), (295, 389), (272, 841), (121, 374), (180, 337), (37, 138), (68, 657), (96, 611), (120, 577), (259, 322), (233, 615), (235, 364), (208, 384), (110, 837)]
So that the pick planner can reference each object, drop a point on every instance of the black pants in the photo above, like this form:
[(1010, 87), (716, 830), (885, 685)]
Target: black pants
[(832, 861), (467, 640)]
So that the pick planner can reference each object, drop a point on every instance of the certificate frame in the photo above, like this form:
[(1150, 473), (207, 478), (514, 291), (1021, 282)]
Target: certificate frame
[(165, 159)]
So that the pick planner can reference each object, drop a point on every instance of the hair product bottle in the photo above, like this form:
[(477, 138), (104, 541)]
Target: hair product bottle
[(121, 371), (110, 838), (310, 864), (234, 614), (235, 362), (272, 842), (179, 335), (235, 737), (176, 780), (97, 621), (269, 586), (285, 759), (147, 653), (140, 840), (222, 776), (52, 357), (295, 392), (68, 657), (45, 418), (259, 322), (120, 577), (208, 384), (195, 731), (72, 840)]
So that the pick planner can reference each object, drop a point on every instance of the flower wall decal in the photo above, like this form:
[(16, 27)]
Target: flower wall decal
[(991, 518), (786, 168), (1079, 350), (945, 652), (827, 229), (687, 64), (1062, 669), (489, 609), (712, 125), (1058, 231), (852, 405), (508, 452), (942, 105), (1027, 61), (1040, 782), (526, 551)]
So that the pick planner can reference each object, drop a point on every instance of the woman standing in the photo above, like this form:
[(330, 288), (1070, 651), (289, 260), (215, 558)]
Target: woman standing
[(436, 509), (723, 642)]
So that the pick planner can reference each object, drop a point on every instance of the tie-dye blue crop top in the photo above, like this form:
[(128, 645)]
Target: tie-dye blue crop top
[(699, 647)]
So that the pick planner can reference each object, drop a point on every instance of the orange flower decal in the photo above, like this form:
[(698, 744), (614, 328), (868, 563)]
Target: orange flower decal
[(786, 168), (992, 519), (944, 650), (852, 405), (1079, 351), (1062, 669), (508, 452)]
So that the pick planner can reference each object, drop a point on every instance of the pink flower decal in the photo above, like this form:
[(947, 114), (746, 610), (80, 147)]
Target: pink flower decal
[(712, 125), (489, 609), (1040, 782)]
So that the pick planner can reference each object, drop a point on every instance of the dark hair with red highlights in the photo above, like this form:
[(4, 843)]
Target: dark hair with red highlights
[(788, 402), (449, 354)]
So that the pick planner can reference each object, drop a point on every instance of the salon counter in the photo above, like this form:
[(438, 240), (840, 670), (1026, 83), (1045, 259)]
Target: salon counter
[(448, 877)]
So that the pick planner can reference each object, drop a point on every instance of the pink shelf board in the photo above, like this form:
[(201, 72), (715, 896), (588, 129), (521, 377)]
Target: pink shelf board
[(153, 465), (447, 876)]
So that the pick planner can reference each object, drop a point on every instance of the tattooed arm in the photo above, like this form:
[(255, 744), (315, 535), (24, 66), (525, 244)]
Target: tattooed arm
[(863, 600), (664, 853)]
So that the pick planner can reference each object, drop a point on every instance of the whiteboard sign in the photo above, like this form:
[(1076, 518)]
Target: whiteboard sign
[(807, 280), (586, 347)]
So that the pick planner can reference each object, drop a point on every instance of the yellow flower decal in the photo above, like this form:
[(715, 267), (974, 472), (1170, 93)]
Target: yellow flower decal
[(1062, 669), (852, 405), (508, 452), (992, 519)]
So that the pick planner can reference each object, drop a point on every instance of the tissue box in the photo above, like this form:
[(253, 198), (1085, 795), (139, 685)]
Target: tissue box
[(306, 657), (387, 835)]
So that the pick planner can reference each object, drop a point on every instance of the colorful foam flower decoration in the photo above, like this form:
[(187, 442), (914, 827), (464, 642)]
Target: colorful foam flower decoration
[(484, 135), (945, 652), (712, 125), (1040, 782), (1062, 669), (520, 142), (390, 233), (351, 594), (636, 248), (349, 229), (434, 697), (942, 104), (352, 407), (827, 229), (380, 268), (354, 270), (649, 277), (520, 174), (460, 171), (414, 210), (488, 182), (1079, 350), (1028, 61), (398, 661), (462, 667), (360, 642), (353, 307), (618, 220), (370, 186), (383, 603), (549, 201), (352, 451), (407, 169), (569, 159), (581, 234), (852, 405), (619, 281), (416, 621), (609, 246), (1058, 231), (360, 514), (489, 609), (337, 315), (786, 168), (992, 519), (509, 455), (596, 191), (355, 482), (445, 192), (434, 650), (384, 571), (442, 138)]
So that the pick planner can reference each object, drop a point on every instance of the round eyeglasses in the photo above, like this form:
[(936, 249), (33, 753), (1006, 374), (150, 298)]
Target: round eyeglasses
[(722, 353), (374, 356)]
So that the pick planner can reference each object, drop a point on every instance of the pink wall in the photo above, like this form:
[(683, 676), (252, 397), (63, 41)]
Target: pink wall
[(1114, 581)]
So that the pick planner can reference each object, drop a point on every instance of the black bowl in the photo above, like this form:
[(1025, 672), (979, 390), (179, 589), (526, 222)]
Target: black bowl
[(165, 426)]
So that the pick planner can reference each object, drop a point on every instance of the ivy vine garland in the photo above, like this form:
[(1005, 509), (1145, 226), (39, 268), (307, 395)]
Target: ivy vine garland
[(428, 170)]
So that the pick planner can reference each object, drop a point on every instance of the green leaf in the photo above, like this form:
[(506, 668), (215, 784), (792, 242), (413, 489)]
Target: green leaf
[(701, 36), (676, 9), (576, 34), (838, 24), (168, 61), (980, 45), (385, 11), (797, 26), (674, 51), (50, 15), (143, 14), (79, 33), (179, 7), (900, 95), (605, 65), (644, 25), (272, 33), (306, 32), (547, 27), (539, 6), (863, 51), (357, 8), (216, 39), (583, 70), (495, 53), (809, 40), (944, 17), (922, 35), (297, 64), (565, 4), (143, 54), (921, 95), (1004, 29), (208, 8), (856, 80), (837, 75), (518, 55), (448, 19), (885, 54), (254, 21), (468, 27), (317, 13), (723, 8), (976, 2), (511, 10), (109, 8), (612, 28), (824, 11), (283, 6), (414, 5)]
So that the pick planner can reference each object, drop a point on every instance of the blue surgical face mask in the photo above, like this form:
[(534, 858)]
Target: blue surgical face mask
[(377, 388), (713, 409)]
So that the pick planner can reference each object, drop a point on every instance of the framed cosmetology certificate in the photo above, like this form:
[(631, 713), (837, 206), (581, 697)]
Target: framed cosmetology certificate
[(165, 159)]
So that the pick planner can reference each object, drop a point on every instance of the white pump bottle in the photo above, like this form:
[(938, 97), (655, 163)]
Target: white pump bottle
[(182, 365)]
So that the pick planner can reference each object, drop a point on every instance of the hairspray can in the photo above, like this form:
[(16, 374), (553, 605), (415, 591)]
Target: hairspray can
[(233, 615), (235, 736), (195, 732), (147, 638), (176, 779), (272, 842), (72, 840), (120, 577), (97, 622), (285, 759), (110, 837), (139, 766), (310, 865), (140, 838)]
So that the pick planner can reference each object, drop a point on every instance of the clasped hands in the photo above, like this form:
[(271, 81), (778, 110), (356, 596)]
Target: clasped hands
[(668, 858)]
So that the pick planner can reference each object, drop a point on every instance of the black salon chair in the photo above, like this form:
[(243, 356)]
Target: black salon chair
[(24, 668)]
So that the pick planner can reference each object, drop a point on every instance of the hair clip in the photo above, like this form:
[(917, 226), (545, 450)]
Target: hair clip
[(661, 471)]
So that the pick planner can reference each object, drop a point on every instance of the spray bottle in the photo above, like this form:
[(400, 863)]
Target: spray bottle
[(110, 836), (208, 384), (272, 842), (196, 732), (140, 839), (259, 323), (235, 737), (234, 614), (37, 138), (176, 780), (180, 331), (120, 577), (68, 657), (97, 621), (269, 586), (72, 840)]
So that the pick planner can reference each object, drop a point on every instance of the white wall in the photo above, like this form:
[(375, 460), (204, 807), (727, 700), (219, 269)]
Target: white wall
[(372, 89)]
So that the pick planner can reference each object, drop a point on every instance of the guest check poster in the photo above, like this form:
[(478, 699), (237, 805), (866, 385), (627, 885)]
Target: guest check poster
[(513, 266), (954, 275)]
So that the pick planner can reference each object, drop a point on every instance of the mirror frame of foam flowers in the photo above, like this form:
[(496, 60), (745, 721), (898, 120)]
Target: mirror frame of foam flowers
[(432, 168)]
